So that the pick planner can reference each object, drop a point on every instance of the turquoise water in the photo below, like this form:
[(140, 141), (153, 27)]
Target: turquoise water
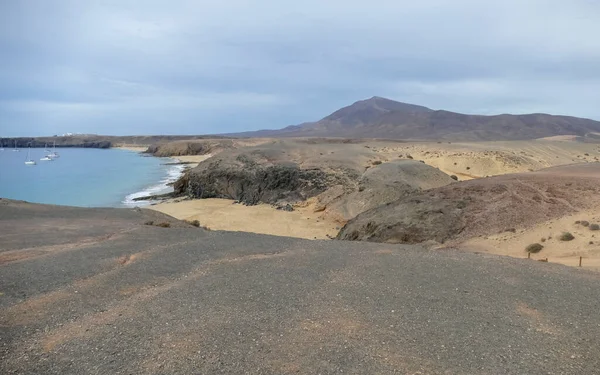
[(84, 177)]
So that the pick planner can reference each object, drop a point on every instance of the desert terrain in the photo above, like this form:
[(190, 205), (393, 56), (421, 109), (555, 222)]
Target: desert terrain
[(104, 291), (360, 175), (304, 250)]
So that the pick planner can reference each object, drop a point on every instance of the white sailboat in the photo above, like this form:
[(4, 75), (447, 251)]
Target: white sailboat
[(47, 157), (29, 160), (54, 154), (16, 149)]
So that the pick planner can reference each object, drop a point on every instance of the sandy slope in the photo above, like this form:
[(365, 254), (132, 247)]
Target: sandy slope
[(222, 214), (586, 243), (480, 159)]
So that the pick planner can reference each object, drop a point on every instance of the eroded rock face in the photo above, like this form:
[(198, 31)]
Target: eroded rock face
[(250, 183)]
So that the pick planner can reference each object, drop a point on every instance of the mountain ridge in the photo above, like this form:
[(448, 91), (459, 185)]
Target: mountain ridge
[(378, 117)]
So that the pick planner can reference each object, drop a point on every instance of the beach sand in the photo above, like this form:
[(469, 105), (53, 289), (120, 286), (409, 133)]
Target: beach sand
[(194, 159), (132, 148), (222, 214)]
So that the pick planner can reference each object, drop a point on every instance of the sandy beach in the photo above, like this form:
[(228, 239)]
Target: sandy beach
[(223, 214), (132, 148)]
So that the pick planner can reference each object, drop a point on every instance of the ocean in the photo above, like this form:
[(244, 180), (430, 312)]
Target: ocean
[(85, 177)]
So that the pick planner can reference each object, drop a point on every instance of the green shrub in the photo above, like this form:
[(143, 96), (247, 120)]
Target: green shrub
[(584, 223), (543, 239), (454, 177), (164, 224), (594, 227), (149, 222), (534, 248), (566, 236), (377, 162)]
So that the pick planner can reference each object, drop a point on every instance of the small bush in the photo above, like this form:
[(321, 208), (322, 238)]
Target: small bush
[(454, 177), (534, 248), (585, 223), (377, 162), (578, 222), (164, 224), (149, 222), (195, 223), (566, 236), (594, 227), (468, 168), (409, 156), (512, 230), (543, 239), (591, 242)]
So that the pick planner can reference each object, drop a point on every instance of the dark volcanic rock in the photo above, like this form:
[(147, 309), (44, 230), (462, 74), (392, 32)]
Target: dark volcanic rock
[(412, 220), (249, 182)]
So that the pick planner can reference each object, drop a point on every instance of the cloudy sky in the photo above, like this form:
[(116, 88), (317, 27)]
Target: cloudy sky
[(197, 67)]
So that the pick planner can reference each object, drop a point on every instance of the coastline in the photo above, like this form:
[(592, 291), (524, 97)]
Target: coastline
[(223, 214), (163, 186), (177, 166)]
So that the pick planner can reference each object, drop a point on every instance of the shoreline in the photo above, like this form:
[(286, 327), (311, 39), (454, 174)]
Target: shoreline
[(163, 188)]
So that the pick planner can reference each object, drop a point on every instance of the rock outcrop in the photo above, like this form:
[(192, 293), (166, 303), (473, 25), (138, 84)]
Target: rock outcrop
[(293, 171), (484, 206), (244, 179)]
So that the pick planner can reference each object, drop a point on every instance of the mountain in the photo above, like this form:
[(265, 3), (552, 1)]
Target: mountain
[(384, 118)]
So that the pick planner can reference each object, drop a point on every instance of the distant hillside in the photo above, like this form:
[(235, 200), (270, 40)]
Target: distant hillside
[(96, 141), (383, 118)]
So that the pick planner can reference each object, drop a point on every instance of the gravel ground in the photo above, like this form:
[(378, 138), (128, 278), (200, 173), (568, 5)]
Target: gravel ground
[(105, 294)]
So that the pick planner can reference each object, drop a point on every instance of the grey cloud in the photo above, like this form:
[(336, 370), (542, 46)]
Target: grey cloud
[(204, 66)]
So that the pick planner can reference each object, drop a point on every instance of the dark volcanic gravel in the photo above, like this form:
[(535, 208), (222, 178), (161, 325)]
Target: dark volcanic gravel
[(128, 298)]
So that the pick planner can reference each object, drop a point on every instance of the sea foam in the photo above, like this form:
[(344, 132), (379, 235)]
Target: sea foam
[(162, 187)]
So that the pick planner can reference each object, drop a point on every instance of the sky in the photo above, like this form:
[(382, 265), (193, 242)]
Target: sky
[(128, 67)]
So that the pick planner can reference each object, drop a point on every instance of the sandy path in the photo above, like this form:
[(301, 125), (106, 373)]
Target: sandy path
[(222, 214)]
